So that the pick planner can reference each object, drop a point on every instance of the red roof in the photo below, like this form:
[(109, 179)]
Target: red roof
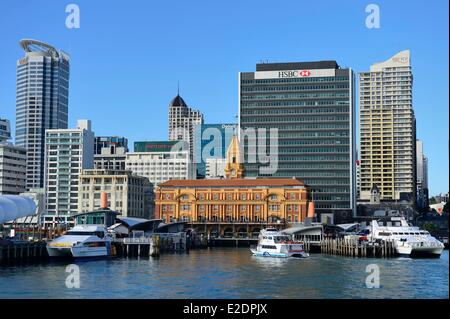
[(239, 182)]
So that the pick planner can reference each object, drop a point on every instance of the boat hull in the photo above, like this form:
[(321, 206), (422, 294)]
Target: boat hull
[(77, 252), (420, 251), (296, 254)]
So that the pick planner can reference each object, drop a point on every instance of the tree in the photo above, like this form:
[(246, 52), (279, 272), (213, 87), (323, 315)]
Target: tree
[(433, 201)]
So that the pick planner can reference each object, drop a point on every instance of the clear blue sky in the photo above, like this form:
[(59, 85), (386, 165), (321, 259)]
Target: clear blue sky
[(128, 56)]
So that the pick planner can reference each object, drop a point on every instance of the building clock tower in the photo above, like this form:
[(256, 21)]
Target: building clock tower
[(234, 167)]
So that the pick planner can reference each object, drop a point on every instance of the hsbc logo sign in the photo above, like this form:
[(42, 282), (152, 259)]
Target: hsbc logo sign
[(294, 74)]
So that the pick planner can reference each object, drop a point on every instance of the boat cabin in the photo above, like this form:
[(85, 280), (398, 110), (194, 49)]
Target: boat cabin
[(103, 217)]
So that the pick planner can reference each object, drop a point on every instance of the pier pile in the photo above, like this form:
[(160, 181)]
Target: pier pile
[(149, 246), (355, 248), (18, 252)]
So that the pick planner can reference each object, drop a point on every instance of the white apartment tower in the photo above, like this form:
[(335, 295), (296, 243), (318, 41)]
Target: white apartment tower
[(68, 152), (387, 129), (182, 121)]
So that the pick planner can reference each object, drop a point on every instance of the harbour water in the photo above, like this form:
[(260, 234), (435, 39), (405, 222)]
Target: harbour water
[(230, 273)]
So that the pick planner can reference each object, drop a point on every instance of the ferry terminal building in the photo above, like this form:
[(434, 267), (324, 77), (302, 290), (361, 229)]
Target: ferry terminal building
[(234, 206)]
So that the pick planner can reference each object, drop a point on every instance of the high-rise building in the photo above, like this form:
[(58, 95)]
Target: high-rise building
[(211, 142), (41, 103), (68, 152), (110, 152), (215, 168), (422, 176), (128, 194), (358, 179), (182, 120), (311, 104), (110, 142), (13, 165), (160, 161), (5, 130), (387, 129), (13, 160)]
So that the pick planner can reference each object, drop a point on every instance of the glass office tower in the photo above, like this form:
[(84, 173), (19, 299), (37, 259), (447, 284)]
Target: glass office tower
[(311, 104), (41, 103)]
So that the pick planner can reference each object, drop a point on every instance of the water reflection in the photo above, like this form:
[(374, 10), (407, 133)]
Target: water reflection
[(270, 262)]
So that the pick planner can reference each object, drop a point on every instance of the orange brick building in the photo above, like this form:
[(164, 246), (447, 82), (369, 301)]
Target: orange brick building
[(235, 206)]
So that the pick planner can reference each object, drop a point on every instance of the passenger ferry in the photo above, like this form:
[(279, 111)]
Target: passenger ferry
[(82, 241), (408, 240), (89, 237), (272, 243)]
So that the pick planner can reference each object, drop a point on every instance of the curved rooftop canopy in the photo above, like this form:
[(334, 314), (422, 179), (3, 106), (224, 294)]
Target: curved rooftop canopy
[(178, 101), (15, 206), (30, 45)]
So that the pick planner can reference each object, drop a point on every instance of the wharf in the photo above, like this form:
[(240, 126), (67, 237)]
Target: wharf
[(150, 246), (353, 248), (22, 251)]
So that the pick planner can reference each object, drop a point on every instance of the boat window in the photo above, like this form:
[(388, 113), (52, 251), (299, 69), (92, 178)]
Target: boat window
[(395, 233), (384, 234), (95, 244), (269, 237), (80, 233), (268, 247), (100, 234)]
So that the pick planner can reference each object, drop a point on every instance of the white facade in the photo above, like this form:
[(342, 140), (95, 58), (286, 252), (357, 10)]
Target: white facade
[(13, 169), (159, 167), (215, 167), (128, 194), (68, 152), (182, 122), (110, 160), (387, 128)]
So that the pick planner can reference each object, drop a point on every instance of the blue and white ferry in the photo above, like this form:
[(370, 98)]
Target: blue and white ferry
[(273, 243)]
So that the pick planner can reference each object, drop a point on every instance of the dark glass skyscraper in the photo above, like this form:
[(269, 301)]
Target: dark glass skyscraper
[(41, 103), (311, 104)]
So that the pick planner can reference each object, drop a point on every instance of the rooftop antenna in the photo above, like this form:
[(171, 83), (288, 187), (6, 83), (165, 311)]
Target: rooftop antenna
[(178, 89)]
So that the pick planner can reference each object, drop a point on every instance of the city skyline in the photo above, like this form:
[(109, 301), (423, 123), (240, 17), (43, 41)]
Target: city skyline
[(217, 100)]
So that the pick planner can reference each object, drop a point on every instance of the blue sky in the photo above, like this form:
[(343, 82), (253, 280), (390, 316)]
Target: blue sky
[(128, 56)]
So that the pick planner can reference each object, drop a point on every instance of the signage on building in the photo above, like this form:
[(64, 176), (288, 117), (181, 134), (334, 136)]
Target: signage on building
[(156, 146), (294, 74)]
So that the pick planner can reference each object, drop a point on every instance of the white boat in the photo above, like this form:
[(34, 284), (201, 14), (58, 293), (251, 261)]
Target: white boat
[(81, 241), (272, 243), (408, 240)]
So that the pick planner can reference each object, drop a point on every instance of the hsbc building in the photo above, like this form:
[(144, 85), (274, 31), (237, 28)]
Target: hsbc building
[(312, 105)]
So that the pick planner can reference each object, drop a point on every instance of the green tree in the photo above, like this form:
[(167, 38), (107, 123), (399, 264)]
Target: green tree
[(433, 201)]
